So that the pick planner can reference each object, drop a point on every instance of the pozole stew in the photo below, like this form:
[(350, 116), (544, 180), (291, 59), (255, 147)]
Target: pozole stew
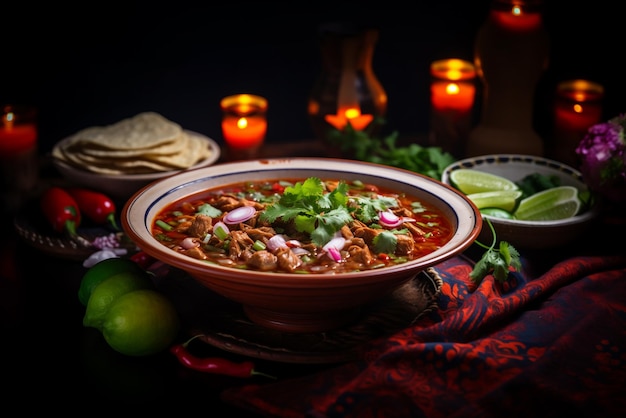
[(302, 226)]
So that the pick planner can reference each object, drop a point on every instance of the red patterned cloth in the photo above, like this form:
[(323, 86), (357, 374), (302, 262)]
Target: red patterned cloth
[(549, 346)]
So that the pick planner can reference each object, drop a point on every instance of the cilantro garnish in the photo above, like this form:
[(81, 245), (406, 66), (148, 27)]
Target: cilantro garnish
[(385, 242), (209, 210), (368, 208), (312, 210), (496, 262)]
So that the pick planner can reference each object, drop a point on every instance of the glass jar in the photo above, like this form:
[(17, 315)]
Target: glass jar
[(346, 90)]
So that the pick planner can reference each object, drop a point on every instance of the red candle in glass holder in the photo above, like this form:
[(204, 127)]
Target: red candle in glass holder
[(452, 93), (15, 136), (244, 124), (516, 15), (452, 86), (578, 106)]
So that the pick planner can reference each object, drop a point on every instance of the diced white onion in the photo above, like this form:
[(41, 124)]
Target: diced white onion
[(276, 242), (189, 243)]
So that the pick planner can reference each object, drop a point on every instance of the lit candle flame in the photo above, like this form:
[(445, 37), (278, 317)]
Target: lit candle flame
[(8, 120), (578, 108), (452, 88), (242, 123), (351, 114)]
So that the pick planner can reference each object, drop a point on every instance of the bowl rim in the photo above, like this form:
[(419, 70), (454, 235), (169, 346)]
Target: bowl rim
[(144, 204), (210, 160), (489, 159)]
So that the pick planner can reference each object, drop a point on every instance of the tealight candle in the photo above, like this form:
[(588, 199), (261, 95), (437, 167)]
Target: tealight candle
[(578, 107), (452, 94), (244, 124)]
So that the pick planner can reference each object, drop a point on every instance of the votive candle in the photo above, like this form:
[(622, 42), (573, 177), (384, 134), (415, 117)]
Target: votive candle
[(244, 123), (516, 15), (578, 106), (452, 93), (15, 136), (453, 85)]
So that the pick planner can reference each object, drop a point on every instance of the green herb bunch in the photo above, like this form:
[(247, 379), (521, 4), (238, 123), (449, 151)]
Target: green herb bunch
[(362, 145)]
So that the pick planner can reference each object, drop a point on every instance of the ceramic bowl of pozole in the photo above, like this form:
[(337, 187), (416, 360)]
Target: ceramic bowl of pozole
[(301, 243)]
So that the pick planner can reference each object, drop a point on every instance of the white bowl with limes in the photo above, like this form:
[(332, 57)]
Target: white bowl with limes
[(554, 214)]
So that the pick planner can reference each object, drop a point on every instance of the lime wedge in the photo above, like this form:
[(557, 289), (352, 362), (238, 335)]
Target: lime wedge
[(475, 181), (501, 199), (549, 205), (497, 213)]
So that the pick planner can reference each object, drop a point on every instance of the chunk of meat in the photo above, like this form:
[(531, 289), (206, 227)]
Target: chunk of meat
[(195, 252), (405, 245), (263, 233), (200, 226), (287, 259), (360, 254), (239, 243), (366, 233), (263, 260), (415, 230), (226, 203)]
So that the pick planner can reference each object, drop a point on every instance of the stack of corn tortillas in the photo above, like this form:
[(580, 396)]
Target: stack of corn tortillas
[(145, 143)]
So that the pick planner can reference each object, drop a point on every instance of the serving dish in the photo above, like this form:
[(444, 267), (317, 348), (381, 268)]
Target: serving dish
[(529, 235), (122, 186), (299, 302)]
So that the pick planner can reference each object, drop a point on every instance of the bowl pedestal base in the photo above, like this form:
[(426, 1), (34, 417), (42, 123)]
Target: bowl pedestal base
[(301, 322)]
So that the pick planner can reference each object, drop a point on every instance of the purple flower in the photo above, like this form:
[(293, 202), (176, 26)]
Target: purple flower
[(603, 158)]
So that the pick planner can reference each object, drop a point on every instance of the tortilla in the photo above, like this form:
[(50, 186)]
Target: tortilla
[(143, 131), (107, 150)]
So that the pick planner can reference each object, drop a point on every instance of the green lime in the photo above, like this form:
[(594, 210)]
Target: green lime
[(475, 181), (108, 291), (549, 205), (103, 270), (502, 199), (497, 213), (140, 323)]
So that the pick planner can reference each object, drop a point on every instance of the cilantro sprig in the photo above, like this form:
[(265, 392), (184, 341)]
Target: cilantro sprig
[(496, 261)]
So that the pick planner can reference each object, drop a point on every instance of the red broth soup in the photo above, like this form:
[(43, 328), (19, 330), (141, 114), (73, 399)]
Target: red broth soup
[(306, 226)]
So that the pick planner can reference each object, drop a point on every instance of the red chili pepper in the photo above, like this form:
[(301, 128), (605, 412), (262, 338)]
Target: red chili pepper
[(276, 187), (215, 365), (61, 210), (144, 260), (96, 206)]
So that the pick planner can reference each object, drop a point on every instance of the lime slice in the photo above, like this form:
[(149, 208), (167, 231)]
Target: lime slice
[(549, 205), (501, 199), (475, 181), (497, 213)]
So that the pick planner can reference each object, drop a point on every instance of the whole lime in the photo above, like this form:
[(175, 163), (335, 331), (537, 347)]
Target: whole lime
[(103, 270), (111, 288), (140, 323)]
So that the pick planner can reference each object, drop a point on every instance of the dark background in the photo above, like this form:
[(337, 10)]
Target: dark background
[(101, 62)]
